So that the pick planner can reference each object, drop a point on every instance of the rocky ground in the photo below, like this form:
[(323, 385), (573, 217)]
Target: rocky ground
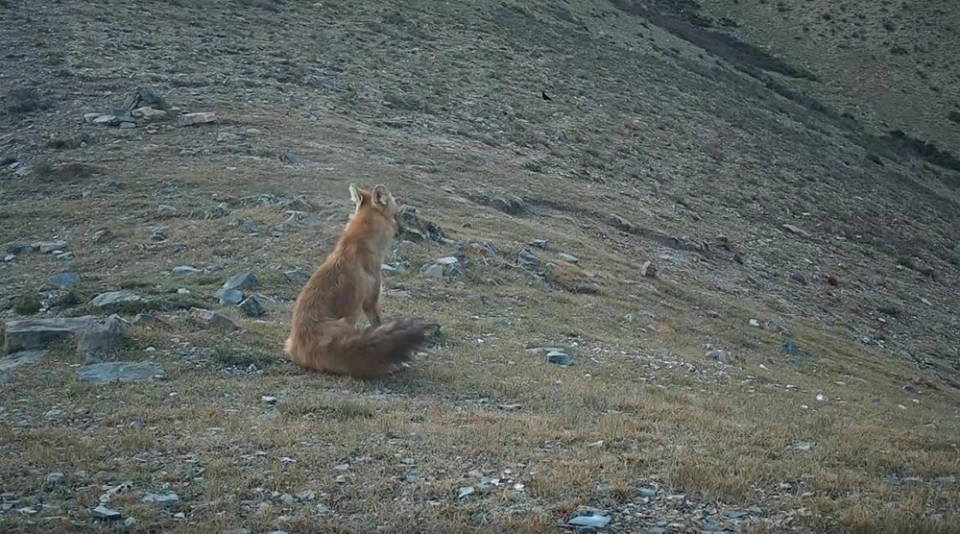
[(682, 286)]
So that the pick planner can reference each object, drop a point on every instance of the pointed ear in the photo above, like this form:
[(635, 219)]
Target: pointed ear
[(356, 195), (381, 197)]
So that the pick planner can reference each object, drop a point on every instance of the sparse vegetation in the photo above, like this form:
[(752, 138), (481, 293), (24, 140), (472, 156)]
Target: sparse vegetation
[(759, 316)]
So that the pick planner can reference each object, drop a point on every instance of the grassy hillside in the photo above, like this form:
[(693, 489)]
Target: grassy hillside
[(787, 361)]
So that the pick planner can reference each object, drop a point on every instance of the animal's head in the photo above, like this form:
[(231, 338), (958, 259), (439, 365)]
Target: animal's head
[(380, 201)]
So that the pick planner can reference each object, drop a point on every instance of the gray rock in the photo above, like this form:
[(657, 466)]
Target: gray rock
[(190, 119), (736, 514), (102, 236), (149, 114), (213, 318), (230, 297), (21, 249), (115, 300), (186, 270), (101, 338), (648, 269), (123, 372), (106, 120), (569, 258), (795, 230), (591, 520), (432, 271), (127, 125), (64, 280), (251, 307), (718, 355), (297, 276), (465, 491), (55, 477), (504, 201), (168, 500), (539, 243), (147, 319), (7, 378), (560, 358), (528, 260), (268, 399), (799, 278), (48, 247), (102, 512), (18, 359), (144, 97), (34, 334), (244, 280), (448, 261), (648, 492)]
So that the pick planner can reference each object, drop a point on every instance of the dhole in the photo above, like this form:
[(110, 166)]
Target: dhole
[(323, 330)]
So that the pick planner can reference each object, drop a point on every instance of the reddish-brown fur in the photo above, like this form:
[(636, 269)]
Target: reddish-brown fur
[(323, 331)]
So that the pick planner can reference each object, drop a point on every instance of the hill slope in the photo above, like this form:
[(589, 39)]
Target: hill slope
[(792, 364)]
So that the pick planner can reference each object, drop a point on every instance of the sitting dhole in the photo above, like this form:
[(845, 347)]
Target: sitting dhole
[(323, 330)]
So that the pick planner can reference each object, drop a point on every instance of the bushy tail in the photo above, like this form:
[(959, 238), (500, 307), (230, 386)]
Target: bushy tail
[(367, 353)]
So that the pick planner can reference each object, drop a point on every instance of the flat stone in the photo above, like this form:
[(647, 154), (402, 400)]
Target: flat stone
[(115, 300), (48, 247), (243, 280), (64, 280), (560, 358), (448, 260), (123, 372), (149, 114), (22, 358), (796, 230), (569, 258), (34, 334), (186, 270), (55, 477), (190, 119), (298, 276), (106, 120), (102, 512), (592, 520), (213, 318), (167, 500)]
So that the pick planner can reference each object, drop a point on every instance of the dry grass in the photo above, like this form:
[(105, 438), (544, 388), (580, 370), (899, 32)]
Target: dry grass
[(643, 407)]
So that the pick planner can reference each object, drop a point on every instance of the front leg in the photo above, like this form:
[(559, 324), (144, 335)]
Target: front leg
[(373, 309)]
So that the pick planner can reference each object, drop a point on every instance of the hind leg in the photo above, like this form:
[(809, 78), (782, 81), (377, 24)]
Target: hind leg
[(397, 368)]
